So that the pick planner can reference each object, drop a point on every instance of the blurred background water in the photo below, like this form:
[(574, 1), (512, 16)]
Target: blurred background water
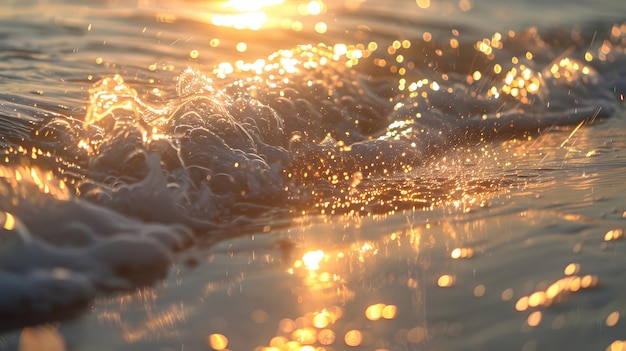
[(509, 240)]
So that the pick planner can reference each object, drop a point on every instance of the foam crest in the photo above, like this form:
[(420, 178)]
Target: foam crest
[(275, 131)]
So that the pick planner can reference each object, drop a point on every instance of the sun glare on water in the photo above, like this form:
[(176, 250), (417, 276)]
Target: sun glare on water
[(247, 14), (254, 15), (312, 259), (251, 5)]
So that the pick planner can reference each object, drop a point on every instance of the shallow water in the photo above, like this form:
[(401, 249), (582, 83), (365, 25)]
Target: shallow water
[(382, 175)]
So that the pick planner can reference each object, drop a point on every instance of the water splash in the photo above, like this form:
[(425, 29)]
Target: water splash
[(300, 125)]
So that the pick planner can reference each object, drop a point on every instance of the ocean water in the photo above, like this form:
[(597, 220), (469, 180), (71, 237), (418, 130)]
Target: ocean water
[(312, 175)]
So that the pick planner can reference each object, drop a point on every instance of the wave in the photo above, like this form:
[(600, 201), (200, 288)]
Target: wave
[(102, 204)]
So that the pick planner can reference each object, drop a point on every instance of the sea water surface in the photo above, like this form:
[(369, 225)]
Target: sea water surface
[(312, 175)]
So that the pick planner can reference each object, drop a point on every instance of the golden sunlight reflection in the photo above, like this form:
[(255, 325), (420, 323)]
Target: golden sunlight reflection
[(423, 3), (353, 338), (519, 82), (614, 234), (557, 291), (571, 269), (109, 95), (18, 182), (327, 278), (250, 20), (390, 311), (534, 319), (612, 319), (251, 5), (250, 16), (304, 336), (571, 70), (218, 341), (255, 14), (374, 312), (326, 337), (313, 8), (322, 319), (312, 259), (617, 345), (464, 252), (308, 332), (301, 58), (380, 310), (446, 281), (7, 221), (322, 276)]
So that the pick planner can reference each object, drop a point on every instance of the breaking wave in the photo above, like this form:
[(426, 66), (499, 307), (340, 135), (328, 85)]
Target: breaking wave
[(101, 204)]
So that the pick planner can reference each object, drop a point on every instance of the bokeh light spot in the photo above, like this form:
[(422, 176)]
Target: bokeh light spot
[(374, 312), (612, 319), (326, 337), (218, 341), (389, 312), (353, 338), (446, 281), (534, 319), (241, 47)]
